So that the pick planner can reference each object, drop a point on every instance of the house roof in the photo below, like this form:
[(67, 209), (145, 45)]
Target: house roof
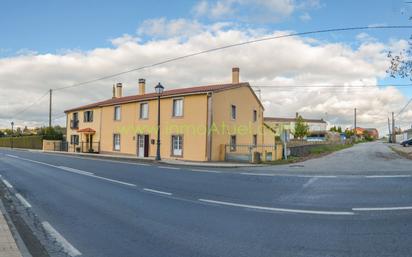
[(167, 93), (278, 119)]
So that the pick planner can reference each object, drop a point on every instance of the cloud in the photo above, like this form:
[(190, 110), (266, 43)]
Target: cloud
[(287, 62), (252, 10)]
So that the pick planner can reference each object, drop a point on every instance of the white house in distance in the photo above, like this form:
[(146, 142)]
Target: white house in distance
[(317, 127)]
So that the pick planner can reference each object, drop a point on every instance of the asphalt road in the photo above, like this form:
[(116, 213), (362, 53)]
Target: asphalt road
[(104, 208)]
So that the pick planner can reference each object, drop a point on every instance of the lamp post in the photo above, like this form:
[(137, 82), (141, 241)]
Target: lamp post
[(12, 134), (159, 90)]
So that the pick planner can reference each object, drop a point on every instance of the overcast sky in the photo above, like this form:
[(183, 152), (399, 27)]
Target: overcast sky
[(52, 44)]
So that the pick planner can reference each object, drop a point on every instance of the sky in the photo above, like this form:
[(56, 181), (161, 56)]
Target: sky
[(52, 44)]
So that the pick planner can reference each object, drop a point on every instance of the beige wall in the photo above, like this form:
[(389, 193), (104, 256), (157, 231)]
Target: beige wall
[(243, 127), (93, 125), (194, 116)]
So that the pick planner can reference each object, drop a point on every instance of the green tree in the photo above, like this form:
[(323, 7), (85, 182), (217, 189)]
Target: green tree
[(301, 128), (1, 133), (50, 133), (349, 133)]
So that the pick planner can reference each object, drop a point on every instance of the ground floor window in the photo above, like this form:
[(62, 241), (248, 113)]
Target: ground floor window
[(233, 143), (177, 145), (74, 139), (116, 142)]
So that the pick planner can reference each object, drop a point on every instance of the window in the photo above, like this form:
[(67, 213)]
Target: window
[(74, 139), (254, 115), (116, 142), (177, 145), (144, 111), (88, 116), (117, 113), (233, 143), (254, 140), (177, 107), (74, 123), (233, 112)]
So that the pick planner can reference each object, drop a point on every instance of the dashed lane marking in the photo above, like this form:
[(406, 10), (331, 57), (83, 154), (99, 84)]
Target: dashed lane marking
[(68, 248), (23, 201), (156, 191)]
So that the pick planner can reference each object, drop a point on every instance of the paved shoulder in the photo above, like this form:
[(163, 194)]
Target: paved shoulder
[(8, 247)]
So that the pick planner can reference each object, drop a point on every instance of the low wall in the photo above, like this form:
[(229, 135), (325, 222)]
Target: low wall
[(26, 142), (52, 145), (302, 150)]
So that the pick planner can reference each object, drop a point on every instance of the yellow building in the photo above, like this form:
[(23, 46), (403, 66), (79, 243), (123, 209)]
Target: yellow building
[(196, 123)]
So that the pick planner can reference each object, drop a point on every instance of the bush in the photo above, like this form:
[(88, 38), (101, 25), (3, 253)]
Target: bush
[(29, 142), (50, 134)]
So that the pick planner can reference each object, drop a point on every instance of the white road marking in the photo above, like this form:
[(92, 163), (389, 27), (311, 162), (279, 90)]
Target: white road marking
[(12, 156), (68, 248), (7, 183), (207, 171), (23, 201), (80, 172), (389, 176), (287, 175), (156, 191), (112, 180), (167, 167), (383, 208), (278, 209)]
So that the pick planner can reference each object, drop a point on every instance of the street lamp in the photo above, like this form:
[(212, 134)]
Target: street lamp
[(159, 90), (12, 133)]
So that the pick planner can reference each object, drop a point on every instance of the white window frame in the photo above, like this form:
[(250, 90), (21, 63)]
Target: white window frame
[(141, 113), (178, 139), (174, 110), (116, 142), (117, 116), (89, 116)]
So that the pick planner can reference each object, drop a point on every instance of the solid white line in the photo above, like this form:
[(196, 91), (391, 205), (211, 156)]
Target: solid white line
[(287, 175), (23, 201), (7, 183), (277, 209), (167, 167), (112, 180), (383, 208), (156, 191), (207, 171), (389, 176), (80, 172), (68, 248)]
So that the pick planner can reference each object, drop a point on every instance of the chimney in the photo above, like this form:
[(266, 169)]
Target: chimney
[(235, 75), (142, 86), (114, 91), (297, 115), (119, 90)]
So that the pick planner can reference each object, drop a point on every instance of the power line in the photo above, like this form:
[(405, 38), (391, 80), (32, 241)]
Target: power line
[(404, 108), (230, 46), (217, 49), (33, 103), (330, 86)]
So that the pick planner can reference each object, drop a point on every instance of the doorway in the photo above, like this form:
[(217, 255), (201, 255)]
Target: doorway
[(143, 146)]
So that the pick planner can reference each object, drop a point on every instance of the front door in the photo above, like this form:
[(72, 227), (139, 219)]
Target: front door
[(143, 146)]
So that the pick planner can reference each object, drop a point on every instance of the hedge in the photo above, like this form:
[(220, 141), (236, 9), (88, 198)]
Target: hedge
[(28, 142)]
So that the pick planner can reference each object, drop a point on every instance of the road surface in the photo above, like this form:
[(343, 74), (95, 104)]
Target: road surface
[(357, 202)]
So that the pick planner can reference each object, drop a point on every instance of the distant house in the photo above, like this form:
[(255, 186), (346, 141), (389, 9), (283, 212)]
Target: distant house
[(317, 127), (372, 132)]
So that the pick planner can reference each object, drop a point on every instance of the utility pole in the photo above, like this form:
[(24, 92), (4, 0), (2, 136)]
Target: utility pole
[(50, 108), (389, 128), (355, 125), (393, 128)]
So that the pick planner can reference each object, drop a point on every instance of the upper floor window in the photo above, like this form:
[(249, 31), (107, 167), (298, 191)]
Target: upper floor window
[(144, 111), (254, 115), (254, 140), (233, 112), (177, 107), (117, 113), (88, 116), (74, 123)]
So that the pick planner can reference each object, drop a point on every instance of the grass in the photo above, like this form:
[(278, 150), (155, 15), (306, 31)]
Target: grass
[(322, 149), (315, 152)]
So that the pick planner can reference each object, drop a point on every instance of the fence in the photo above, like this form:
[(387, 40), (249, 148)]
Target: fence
[(27, 142), (244, 153)]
